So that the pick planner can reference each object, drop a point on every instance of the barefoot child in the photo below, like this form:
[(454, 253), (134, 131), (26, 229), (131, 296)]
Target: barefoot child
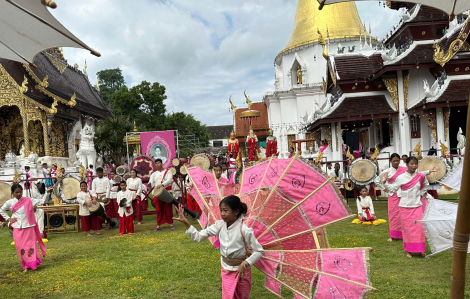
[(236, 241), (365, 208), (126, 218), (25, 228), (88, 222)]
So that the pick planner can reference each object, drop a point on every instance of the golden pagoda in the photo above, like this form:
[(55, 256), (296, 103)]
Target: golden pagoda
[(334, 21)]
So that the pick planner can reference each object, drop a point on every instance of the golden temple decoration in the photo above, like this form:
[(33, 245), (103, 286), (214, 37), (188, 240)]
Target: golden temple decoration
[(323, 43), (444, 149), (24, 85), (82, 173), (326, 130), (392, 87), (248, 101), (430, 115), (349, 156), (446, 112), (337, 136), (58, 63), (318, 159), (57, 138), (325, 86), (342, 20), (347, 185), (465, 47), (72, 99), (232, 106), (406, 83), (417, 150), (16, 178), (45, 82), (441, 56), (375, 154)]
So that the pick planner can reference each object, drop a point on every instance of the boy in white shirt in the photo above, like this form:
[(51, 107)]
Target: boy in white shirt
[(126, 218)]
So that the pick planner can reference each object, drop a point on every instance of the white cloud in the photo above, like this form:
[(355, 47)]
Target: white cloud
[(202, 51)]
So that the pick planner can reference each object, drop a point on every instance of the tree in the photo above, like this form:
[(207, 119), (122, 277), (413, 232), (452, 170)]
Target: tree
[(127, 103), (109, 136), (153, 107), (110, 81), (186, 124)]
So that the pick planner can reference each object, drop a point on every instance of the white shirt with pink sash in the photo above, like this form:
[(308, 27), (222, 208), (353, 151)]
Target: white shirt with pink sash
[(391, 178), (410, 188), (20, 214)]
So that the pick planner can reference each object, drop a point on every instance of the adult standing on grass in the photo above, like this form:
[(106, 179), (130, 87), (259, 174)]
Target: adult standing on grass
[(162, 178), (25, 228), (394, 221), (411, 188), (236, 242)]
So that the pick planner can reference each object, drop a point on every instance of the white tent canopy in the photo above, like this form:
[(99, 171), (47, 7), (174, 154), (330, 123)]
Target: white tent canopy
[(27, 28), (451, 7)]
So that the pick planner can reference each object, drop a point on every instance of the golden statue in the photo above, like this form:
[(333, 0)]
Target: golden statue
[(232, 106), (417, 150), (299, 75), (84, 67), (376, 153), (444, 150), (248, 101)]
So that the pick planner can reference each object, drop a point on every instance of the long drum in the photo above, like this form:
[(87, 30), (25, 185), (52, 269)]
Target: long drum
[(5, 192), (362, 171), (70, 187), (163, 195), (428, 163), (97, 209)]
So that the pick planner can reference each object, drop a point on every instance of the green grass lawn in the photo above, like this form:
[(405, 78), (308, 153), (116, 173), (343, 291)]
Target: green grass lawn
[(167, 264)]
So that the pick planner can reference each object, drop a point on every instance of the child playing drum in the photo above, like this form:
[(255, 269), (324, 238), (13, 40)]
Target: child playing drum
[(126, 218), (86, 199)]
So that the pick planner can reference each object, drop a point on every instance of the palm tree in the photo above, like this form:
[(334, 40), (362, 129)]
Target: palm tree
[(109, 139)]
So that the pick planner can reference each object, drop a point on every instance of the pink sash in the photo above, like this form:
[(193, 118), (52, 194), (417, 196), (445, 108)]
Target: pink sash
[(419, 177), (323, 148), (399, 171), (29, 210)]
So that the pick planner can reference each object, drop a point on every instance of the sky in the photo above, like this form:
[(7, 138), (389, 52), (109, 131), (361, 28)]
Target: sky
[(202, 51)]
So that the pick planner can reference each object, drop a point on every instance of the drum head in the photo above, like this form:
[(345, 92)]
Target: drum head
[(117, 178), (56, 220), (122, 170), (144, 167), (183, 170), (5, 192), (70, 187), (126, 176), (428, 163), (175, 162), (172, 170), (363, 171), (201, 161)]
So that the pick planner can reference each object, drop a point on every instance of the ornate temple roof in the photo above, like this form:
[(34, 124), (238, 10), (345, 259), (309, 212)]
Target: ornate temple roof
[(341, 19)]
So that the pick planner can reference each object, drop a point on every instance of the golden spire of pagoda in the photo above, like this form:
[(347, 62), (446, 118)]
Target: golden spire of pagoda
[(342, 19)]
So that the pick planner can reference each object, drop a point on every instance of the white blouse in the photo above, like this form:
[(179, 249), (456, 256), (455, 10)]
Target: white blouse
[(82, 198), (134, 184), (113, 189), (20, 214), (410, 198), (101, 185), (391, 172), (364, 202), (231, 242), (127, 195)]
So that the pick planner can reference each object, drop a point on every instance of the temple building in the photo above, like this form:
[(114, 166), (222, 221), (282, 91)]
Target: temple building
[(43, 110), (410, 87)]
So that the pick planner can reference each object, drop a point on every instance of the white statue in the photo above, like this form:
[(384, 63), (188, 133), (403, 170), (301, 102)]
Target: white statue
[(21, 156), (461, 142), (87, 152), (32, 158)]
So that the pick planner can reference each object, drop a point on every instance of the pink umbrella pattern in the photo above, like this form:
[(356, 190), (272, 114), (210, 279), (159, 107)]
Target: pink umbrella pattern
[(290, 202)]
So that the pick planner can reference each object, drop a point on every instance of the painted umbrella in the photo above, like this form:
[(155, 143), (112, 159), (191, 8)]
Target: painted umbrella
[(290, 202)]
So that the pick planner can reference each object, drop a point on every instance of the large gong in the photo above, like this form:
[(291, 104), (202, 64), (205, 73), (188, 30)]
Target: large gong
[(70, 187), (144, 167), (362, 171), (428, 163), (202, 161), (5, 193)]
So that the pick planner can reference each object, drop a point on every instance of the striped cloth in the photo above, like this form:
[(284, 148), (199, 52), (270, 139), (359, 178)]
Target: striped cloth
[(232, 287)]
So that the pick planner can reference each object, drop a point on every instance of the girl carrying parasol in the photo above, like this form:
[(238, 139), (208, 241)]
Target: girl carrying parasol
[(236, 242)]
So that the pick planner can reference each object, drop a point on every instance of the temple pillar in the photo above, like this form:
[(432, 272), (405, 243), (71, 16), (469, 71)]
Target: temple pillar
[(396, 137), (334, 141), (404, 140), (27, 149), (441, 129), (47, 149)]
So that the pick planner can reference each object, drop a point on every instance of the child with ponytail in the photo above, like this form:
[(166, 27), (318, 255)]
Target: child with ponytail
[(239, 248)]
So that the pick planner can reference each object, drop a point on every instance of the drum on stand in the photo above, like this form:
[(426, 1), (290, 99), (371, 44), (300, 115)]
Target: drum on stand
[(122, 170), (117, 178), (362, 172), (5, 192), (70, 187), (144, 167)]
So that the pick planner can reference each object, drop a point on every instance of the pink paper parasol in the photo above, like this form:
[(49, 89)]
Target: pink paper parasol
[(290, 202)]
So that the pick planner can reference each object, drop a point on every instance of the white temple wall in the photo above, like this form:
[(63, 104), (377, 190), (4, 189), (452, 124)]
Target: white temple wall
[(440, 129), (425, 133), (416, 85)]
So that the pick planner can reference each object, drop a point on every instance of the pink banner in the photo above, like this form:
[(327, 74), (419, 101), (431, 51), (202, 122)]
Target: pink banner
[(159, 145)]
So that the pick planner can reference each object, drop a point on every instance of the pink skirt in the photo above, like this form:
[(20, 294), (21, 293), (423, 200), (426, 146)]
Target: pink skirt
[(232, 288), (394, 221), (414, 239), (27, 247)]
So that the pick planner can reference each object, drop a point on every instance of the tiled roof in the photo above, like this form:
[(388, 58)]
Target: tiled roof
[(219, 132)]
